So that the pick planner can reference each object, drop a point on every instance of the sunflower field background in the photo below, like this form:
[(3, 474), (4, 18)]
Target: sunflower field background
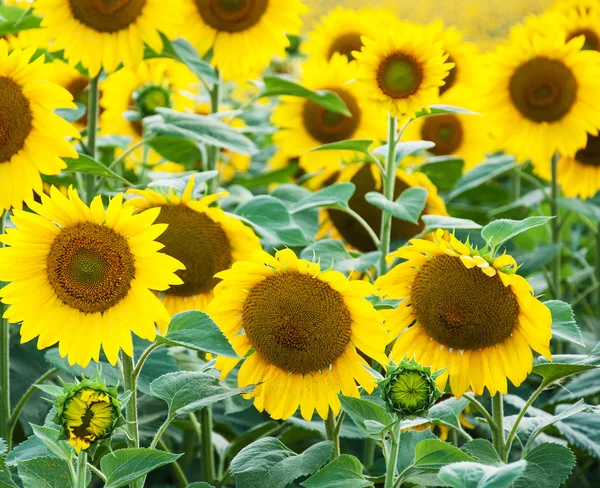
[(273, 243)]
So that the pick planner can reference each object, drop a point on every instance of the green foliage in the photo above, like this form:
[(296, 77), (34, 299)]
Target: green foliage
[(499, 231), (548, 466), (336, 195), (482, 173), (443, 171), (408, 206), (343, 472), (124, 466), (6, 480), (474, 475), (369, 417), (87, 165), (441, 109), (268, 463), (45, 472), (563, 322)]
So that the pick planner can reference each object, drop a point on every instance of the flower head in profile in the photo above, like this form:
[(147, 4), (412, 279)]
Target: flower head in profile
[(88, 412)]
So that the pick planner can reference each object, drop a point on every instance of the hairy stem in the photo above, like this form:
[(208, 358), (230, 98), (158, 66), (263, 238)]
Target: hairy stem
[(208, 455), (330, 430), (212, 152), (556, 278), (388, 189), (92, 131), (4, 365), (390, 473), (81, 470), (498, 431)]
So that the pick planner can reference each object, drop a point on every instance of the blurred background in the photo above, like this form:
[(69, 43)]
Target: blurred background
[(481, 21)]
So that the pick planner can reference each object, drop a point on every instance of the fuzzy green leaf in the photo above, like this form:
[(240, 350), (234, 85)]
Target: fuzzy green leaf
[(548, 466), (50, 438), (482, 451), (486, 171), (563, 322), (433, 222), (408, 206), (344, 471), (268, 463), (196, 330), (124, 466), (188, 55), (6, 480), (333, 195), (432, 454), (178, 149), (403, 149), (85, 164), (499, 231), (275, 86), (441, 109), (361, 410), (443, 171), (358, 145), (474, 475), (45, 472), (564, 365)]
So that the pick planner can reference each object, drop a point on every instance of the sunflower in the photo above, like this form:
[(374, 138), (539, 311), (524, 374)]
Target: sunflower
[(157, 82), (578, 175), (468, 313), (580, 18), (101, 34), (401, 71), (302, 327), (243, 35), (304, 124), (340, 31), (81, 276), (366, 178), (32, 137), (464, 55), (539, 95), (462, 135), (74, 82), (204, 238)]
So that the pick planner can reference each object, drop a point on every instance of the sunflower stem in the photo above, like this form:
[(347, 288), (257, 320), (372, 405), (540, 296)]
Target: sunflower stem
[(515, 184), (598, 271), (208, 455), (213, 151), (130, 383), (390, 473), (332, 433), (4, 365), (92, 131), (81, 470), (555, 228), (388, 190), (498, 430)]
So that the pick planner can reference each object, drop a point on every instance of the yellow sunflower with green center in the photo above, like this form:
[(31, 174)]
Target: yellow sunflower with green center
[(103, 33), (341, 29), (32, 136), (366, 178), (155, 83), (82, 276), (304, 124), (244, 34), (302, 327), (464, 55), (463, 135), (204, 238), (468, 313), (401, 71), (539, 94)]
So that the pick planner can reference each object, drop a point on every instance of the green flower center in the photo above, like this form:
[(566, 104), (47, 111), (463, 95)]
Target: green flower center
[(151, 96), (399, 76), (410, 390)]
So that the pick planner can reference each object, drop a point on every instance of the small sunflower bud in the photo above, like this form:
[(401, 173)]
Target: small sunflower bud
[(88, 412), (409, 389)]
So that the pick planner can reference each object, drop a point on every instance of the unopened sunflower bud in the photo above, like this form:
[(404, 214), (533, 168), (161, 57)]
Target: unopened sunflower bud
[(88, 412), (409, 389)]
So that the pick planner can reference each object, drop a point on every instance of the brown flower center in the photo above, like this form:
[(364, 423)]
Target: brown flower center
[(463, 308), (592, 42), (296, 322), (399, 76), (90, 267), (450, 79), (345, 45), (352, 231), (231, 15), (327, 126), (15, 119), (590, 154), (446, 131), (199, 243), (543, 90), (107, 15)]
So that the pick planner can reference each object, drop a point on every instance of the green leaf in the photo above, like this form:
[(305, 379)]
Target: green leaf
[(432, 454), (482, 451), (283, 175), (87, 165), (409, 440), (529, 200), (408, 206), (268, 463), (361, 410), (200, 484), (583, 431), (585, 385), (474, 475), (563, 322), (124, 466), (563, 365), (188, 55), (45, 472), (205, 129), (50, 438), (333, 195), (250, 436), (441, 109), (326, 251), (359, 145), (275, 86), (6, 480), (548, 466), (580, 207), (178, 149), (447, 412), (481, 173), (188, 391), (433, 222), (344, 471), (499, 231), (72, 114), (196, 330), (361, 264), (403, 149), (443, 171), (13, 20)]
